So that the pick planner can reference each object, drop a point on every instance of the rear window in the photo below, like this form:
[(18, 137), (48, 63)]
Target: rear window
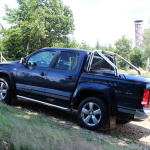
[(99, 63)]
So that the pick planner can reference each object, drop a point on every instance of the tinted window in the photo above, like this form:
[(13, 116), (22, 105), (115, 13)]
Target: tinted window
[(99, 63), (42, 59), (67, 61)]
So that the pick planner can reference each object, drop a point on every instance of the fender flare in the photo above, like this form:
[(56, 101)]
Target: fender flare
[(10, 75), (96, 87)]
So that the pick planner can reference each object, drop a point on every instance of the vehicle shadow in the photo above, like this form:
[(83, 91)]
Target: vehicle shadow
[(129, 132), (55, 113)]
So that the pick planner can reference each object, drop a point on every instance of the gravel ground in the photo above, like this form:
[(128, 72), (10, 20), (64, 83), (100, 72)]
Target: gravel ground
[(133, 134)]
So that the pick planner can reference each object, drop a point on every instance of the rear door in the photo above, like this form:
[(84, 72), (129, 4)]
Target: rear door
[(63, 77)]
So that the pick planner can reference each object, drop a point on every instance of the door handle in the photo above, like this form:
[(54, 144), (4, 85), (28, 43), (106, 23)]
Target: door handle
[(69, 77), (42, 74)]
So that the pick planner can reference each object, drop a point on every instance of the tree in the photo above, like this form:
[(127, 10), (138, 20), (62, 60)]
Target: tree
[(124, 47), (137, 57), (36, 24), (72, 43), (146, 41), (98, 46), (146, 45), (111, 48), (84, 45), (103, 47)]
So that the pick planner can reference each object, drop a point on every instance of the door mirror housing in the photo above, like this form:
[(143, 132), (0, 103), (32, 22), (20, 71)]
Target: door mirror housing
[(23, 61)]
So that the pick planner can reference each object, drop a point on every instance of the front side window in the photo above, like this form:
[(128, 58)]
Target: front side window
[(41, 59), (67, 61)]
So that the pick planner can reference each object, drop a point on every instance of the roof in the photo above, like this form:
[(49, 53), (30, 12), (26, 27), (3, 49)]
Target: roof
[(71, 49)]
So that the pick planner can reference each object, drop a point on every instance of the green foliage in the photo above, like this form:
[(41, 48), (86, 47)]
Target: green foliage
[(36, 24), (71, 43), (146, 41), (111, 48), (84, 45), (102, 47), (47, 23), (97, 46), (138, 58), (123, 47)]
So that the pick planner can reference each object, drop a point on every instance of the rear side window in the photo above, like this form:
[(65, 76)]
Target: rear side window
[(67, 61)]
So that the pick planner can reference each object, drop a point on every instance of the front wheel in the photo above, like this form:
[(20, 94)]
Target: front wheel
[(92, 113), (4, 90)]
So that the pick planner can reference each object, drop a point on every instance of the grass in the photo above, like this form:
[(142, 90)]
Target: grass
[(21, 129)]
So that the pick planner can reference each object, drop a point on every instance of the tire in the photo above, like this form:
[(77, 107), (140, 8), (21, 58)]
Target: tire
[(120, 121), (5, 94), (92, 113)]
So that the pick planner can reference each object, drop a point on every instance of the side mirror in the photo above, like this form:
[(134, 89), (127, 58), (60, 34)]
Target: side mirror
[(23, 61)]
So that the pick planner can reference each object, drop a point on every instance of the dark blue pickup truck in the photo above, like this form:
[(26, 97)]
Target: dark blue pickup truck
[(82, 80)]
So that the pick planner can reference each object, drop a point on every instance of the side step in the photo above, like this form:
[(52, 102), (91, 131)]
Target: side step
[(41, 102)]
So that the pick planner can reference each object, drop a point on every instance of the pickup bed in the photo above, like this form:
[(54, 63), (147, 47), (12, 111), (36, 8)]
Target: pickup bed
[(82, 80)]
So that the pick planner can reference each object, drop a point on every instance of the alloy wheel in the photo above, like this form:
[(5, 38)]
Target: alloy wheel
[(91, 113), (3, 90)]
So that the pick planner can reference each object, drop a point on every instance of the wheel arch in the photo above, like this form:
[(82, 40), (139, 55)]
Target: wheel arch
[(89, 93), (93, 90), (11, 80), (4, 75)]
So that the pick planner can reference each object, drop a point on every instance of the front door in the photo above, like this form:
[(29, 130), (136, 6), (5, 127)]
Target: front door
[(31, 78)]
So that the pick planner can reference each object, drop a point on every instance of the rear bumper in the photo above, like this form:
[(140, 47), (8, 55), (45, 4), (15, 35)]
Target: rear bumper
[(132, 114), (140, 115), (146, 110)]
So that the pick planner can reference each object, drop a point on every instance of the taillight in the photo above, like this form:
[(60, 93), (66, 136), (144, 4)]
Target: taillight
[(146, 96)]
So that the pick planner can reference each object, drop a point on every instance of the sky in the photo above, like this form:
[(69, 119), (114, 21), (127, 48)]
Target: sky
[(102, 20)]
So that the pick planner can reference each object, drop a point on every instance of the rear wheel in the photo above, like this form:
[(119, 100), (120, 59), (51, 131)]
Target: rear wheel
[(4, 90), (92, 113)]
